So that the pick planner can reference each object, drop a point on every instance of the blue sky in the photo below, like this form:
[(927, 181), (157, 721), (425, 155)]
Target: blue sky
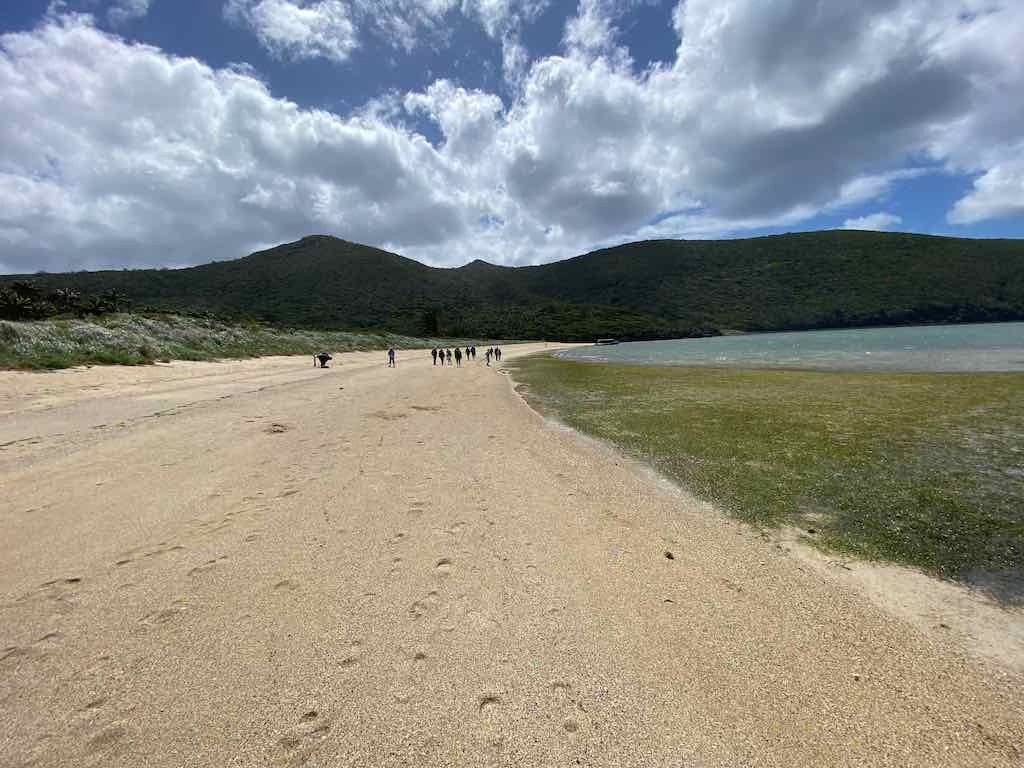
[(173, 132)]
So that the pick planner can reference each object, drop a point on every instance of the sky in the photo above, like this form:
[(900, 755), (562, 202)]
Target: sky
[(140, 133)]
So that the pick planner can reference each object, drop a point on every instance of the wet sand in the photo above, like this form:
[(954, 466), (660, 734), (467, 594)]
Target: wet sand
[(261, 563)]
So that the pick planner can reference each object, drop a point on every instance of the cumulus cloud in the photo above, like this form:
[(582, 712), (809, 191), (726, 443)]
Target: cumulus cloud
[(122, 11), (998, 193), (591, 28), (332, 29), (298, 30), (114, 153), (206, 163), (875, 221)]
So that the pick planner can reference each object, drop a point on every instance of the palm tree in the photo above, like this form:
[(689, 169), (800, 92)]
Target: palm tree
[(14, 306), (114, 300), (66, 299), (26, 289)]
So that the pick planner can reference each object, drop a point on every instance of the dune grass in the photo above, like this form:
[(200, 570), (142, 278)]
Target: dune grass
[(922, 469), (135, 339)]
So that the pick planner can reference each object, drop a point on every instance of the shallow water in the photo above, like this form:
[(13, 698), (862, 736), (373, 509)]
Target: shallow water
[(978, 347)]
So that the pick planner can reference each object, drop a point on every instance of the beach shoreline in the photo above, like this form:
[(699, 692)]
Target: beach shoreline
[(259, 562)]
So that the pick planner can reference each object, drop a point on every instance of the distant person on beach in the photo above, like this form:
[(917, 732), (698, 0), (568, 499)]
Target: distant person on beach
[(473, 351), (391, 357), (497, 353), (458, 357), (487, 357), (322, 358), (433, 354), (448, 354)]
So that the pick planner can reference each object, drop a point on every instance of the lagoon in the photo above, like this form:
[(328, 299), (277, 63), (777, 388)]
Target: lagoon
[(934, 348)]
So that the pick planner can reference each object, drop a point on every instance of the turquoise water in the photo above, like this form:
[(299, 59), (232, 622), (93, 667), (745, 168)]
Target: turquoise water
[(982, 347)]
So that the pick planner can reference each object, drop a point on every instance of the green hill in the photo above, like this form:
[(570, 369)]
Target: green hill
[(663, 288)]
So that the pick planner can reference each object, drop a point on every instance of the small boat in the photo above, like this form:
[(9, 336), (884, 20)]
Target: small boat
[(606, 342)]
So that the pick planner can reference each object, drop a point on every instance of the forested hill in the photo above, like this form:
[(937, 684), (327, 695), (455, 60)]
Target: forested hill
[(662, 288)]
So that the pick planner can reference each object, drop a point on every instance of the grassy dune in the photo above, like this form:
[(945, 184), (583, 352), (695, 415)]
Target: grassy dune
[(132, 339), (924, 469)]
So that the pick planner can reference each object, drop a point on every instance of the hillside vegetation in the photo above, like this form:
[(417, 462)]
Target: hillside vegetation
[(654, 289), (131, 339)]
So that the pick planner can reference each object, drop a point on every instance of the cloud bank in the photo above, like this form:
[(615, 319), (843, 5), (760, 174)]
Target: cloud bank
[(115, 153)]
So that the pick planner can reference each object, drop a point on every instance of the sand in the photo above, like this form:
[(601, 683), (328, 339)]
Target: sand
[(261, 563)]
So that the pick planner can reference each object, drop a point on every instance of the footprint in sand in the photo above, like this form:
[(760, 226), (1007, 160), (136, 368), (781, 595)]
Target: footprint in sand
[(110, 741), (164, 615), (40, 648), (296, 745), (571, 708), (60, 593), (421, 608), (489, 706), (209, 565), (163, 549), (352, 655), (443, 567), (288, 585)]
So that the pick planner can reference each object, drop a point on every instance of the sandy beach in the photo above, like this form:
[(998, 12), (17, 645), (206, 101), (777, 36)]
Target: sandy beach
[(261, 563)]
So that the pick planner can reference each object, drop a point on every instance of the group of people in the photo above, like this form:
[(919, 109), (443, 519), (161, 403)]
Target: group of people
[(446, 356), (441, 356)]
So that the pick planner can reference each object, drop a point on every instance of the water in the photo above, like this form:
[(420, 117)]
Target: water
[(982, 347)]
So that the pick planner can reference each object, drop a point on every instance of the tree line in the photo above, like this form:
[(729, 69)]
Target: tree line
[(26, 300)]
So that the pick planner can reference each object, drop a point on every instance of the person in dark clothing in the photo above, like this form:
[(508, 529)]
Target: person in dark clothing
[(487, 357), (448, 354), (322, 358), (497, 353), (473, 351), (433, 353), (458, 357), (391, 357)]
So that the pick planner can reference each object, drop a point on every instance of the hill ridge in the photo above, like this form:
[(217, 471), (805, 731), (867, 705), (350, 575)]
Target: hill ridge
[(647, 289)]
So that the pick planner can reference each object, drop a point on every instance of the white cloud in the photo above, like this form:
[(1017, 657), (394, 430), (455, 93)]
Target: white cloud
[(876, 221), (332, 29), (122, 11), (863, 189), (298, 30), (115, 154), (591, 29), (998, 193)]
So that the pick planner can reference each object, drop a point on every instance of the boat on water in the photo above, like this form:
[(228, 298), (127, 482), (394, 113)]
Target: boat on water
[(606, 342)]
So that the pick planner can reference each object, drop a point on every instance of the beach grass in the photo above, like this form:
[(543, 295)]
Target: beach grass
[(925, 469), (140, 339)]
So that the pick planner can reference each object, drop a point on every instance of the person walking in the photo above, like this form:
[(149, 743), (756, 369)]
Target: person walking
[(448, 355), (433, 354), (458, 357), (391, 357), (487, 357), (497, 353)]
